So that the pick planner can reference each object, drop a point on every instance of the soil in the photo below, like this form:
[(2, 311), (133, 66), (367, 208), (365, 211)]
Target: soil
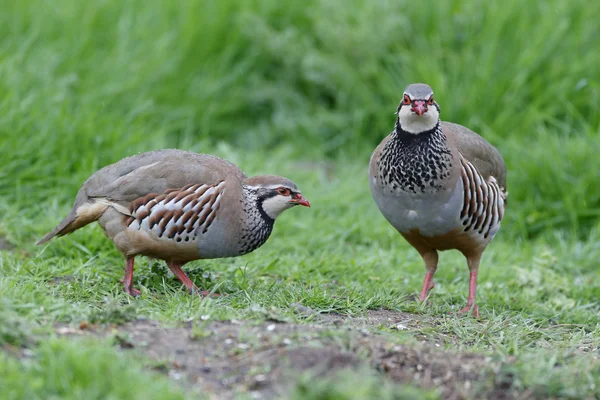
[(265, 359)]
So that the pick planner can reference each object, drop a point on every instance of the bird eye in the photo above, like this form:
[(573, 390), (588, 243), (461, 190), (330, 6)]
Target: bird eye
[(430, 101), (406, 100), (283, 191)]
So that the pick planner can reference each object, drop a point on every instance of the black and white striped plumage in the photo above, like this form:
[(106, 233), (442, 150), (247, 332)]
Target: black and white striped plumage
[(483, 202), (177, 214), (439, 184)]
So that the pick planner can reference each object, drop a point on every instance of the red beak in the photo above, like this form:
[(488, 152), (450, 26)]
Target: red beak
[(419, 107), (301, 201)]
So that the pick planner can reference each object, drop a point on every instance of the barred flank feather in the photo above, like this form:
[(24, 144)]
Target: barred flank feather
[(178, 214), (483, 201)]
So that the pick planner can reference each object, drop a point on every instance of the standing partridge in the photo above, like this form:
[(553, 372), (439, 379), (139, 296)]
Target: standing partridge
[(441, 185), (179, 206)]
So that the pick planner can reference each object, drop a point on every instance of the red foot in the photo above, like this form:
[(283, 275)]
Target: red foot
[(472, 291), (427, 286), (131, 291), (468, 308), (425, 293)]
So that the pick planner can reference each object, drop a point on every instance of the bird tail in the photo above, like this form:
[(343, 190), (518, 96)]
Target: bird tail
[(77, 218), (66, 226)]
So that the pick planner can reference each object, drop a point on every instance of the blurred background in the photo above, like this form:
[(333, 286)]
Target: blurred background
[(85, 83)]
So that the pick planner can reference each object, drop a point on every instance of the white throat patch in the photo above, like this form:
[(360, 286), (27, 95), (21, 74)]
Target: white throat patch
[(414, 123), (274, 206)]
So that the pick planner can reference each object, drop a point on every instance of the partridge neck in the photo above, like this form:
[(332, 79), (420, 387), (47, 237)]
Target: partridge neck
[(405, 137), (256, 225), (415, 163)]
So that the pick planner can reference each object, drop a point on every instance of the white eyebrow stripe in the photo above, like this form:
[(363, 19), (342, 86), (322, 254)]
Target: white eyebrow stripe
[(271, 187)]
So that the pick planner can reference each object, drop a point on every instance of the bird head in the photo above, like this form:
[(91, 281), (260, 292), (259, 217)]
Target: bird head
[(418, 112), (275, 194)]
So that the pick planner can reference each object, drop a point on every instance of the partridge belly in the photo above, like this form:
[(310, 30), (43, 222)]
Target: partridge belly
[(429, 215)]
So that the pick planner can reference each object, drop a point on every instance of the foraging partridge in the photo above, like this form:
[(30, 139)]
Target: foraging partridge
[(441, 185), (179, 206)]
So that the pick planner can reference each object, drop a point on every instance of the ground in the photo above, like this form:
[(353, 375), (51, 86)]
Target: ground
[(222, 359)]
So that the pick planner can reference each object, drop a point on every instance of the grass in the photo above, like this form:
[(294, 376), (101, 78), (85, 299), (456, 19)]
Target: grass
[(305, 90), (61, 369)]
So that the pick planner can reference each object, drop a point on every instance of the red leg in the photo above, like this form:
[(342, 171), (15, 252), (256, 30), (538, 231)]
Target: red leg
[(427, 286), (176, 269), (474, 268), (431, 261), (128, 278)]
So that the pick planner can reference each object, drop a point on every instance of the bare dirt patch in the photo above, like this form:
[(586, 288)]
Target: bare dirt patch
[(265, 359)]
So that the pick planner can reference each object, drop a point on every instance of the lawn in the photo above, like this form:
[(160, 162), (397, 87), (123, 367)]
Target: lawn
[(305, 90)]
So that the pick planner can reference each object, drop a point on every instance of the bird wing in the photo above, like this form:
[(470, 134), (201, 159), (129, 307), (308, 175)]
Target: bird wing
[(154, 173), (478, 151), (375, 157)]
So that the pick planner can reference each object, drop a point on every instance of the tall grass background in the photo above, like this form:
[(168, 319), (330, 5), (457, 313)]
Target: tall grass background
[(83, 84)]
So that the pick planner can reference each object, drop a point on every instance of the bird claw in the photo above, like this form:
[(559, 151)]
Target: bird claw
[(132, 291), (468, 308), (425, 293)]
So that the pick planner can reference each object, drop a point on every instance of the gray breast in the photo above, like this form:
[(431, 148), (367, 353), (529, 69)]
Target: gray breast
[(431, 215)]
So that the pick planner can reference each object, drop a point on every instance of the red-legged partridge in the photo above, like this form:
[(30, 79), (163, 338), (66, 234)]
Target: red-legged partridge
[(441, 185), (179, 206)]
